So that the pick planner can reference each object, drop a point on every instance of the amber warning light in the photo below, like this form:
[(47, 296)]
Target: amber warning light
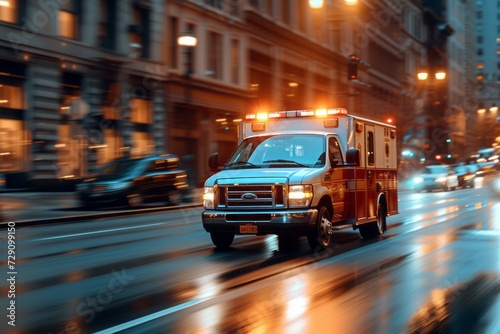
[(296, 113)]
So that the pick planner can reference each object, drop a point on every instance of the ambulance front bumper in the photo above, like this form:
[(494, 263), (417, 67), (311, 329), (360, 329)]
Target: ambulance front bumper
[(260, 222)]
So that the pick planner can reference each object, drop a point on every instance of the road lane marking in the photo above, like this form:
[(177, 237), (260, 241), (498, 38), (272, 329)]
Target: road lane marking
[(97, 232), (154, 316)]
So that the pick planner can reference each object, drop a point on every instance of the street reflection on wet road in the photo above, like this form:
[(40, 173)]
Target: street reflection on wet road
[(175, 281)]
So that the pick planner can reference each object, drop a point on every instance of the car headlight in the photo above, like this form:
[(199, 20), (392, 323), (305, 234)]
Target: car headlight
[(418, 180), (300, 195), (208, 197)]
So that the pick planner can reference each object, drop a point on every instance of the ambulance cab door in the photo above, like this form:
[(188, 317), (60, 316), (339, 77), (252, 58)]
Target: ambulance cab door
[(371, 193), (337, 183)]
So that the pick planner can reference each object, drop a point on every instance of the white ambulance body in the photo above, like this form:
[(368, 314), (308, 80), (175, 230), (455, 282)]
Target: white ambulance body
[(303, 173)]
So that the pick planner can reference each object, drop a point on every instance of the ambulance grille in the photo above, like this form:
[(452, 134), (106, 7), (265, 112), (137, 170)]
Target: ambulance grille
[(260, 196)]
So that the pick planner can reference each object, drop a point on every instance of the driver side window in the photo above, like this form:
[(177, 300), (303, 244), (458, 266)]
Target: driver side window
[(335, 154)]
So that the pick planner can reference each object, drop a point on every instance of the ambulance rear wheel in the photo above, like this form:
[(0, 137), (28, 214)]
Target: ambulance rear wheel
[(321, 236), (375, 228), (222, 240)]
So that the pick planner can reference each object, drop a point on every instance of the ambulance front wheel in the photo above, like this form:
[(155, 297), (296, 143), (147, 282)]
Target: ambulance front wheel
[(222, 240), (321, 236)]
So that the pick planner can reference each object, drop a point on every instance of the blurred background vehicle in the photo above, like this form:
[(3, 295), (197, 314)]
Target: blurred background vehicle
[(488, 161), (495, 187), (134, 182), (466, 174), (433, 177)]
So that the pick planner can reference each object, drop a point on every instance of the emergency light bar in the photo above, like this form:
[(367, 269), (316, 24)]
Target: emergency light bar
[(296, 113)]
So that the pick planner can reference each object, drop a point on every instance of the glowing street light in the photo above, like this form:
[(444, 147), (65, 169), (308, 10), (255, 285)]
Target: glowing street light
[(315, 4), (440, 75), (189, 41), (422, 76)]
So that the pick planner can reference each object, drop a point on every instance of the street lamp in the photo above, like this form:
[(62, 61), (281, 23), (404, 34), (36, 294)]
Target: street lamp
[(315, 4), (432, 100), (188, 41), (424, 75)]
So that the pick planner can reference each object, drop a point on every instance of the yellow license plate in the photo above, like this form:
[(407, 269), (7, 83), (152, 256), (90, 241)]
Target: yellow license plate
[(248, 229)]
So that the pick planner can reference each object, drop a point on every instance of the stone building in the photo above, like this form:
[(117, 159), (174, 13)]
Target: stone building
[(80, 86), (84, 82)]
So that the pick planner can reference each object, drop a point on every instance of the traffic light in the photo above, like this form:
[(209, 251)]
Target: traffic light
[(352, 67)]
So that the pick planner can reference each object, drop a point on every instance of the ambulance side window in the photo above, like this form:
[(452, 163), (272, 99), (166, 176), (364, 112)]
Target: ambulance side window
[(370, 152), (335, 152)]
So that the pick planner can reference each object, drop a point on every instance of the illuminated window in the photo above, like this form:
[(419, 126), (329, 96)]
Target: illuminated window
[(370, 152), (141, 111), (11, 97), (142, 144), (8, 11), (480, 66), (13, 148), (68, 146), (68, 20), (111, 148)]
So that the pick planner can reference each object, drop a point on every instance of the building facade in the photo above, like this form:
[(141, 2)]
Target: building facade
[(485, 117), (458, 79), (79, 84), (82, 83)]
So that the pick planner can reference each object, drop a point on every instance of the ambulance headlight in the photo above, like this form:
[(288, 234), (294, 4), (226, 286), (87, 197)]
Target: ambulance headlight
[(300, 195), (208, 197)]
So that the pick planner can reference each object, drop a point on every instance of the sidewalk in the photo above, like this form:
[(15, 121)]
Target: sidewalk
[(26, 207)]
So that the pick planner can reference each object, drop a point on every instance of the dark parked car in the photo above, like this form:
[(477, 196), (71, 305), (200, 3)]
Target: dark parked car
[(135, 181)]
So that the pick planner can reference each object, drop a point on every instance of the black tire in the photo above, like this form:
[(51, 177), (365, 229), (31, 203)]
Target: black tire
[(222, 240), (287, 242), (375, 228), (87, 205), (321, 237), (174, 197), (135, 200)]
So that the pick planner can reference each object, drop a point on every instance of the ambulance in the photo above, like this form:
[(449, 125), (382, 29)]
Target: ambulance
[(303, 173)]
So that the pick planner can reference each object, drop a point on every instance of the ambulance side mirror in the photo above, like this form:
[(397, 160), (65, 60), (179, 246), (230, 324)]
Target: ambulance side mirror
[(213, 161), (352, 157)]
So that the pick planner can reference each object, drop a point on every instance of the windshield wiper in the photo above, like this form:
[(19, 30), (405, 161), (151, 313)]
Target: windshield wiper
[(242, 164), (284, 162)]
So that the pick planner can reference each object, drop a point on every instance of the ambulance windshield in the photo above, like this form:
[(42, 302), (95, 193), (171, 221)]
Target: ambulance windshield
[(284, 150)]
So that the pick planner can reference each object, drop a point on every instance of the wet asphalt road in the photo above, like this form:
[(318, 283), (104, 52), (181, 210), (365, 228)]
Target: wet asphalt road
[(159, 273)]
